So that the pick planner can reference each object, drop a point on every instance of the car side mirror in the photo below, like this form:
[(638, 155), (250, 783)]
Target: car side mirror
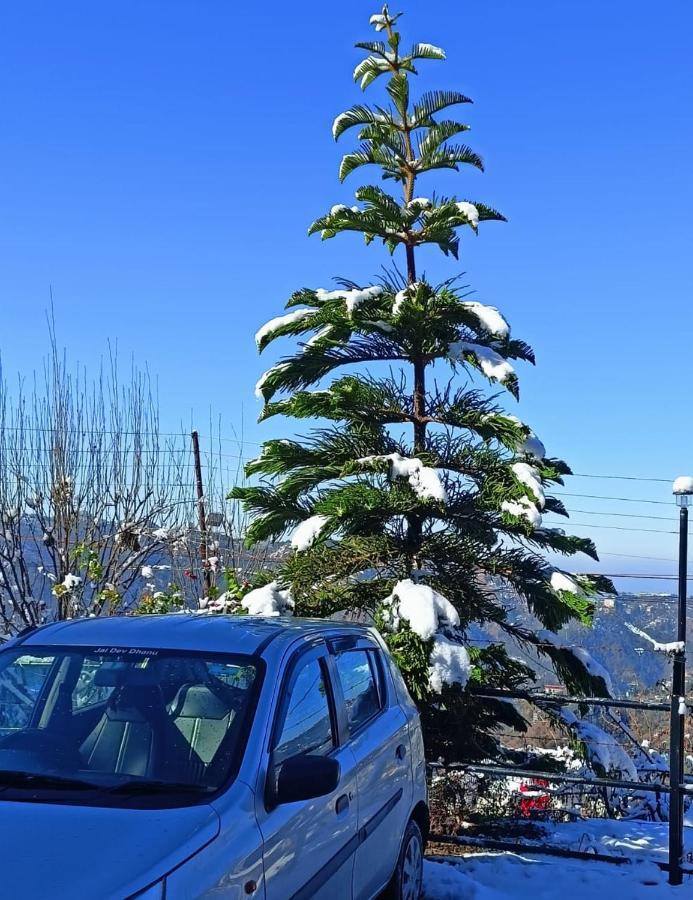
[(306, 777)]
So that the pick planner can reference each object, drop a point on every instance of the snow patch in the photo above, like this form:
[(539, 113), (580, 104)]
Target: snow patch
[(532, 446), (425, 481), (658, 647), (523, 508), (490, 318), (469, 211), (352, 297), (562, 582), (279, 322), (490, 362), (529, 476), (602, 748), (71, 582), (306, 534), (683, 485), (265, 375), (595, 669), (269, 600), (422, 607), (449, 664), (422, 202), (406, 293)]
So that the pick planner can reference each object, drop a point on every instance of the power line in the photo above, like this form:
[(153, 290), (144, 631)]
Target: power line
[(621, 499), (592, 512), (620, 528), (639, 556), (623, 477)]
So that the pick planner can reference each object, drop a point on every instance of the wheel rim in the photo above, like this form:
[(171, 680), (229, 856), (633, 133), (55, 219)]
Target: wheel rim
[(412, 870)]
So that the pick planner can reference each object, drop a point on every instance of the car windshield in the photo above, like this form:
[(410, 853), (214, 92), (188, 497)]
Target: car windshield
[(121, 722)]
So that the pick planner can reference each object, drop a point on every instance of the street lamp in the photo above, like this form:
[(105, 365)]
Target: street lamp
[(683, 492)]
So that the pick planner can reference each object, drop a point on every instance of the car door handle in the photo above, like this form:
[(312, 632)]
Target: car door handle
[(342, 804), (401, 751)]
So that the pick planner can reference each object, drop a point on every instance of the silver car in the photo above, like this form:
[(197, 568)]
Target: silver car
[(188, 756)]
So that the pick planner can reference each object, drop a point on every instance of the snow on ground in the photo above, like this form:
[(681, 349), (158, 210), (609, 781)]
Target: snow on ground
[(515, 876), (509, 876), (618, 837)]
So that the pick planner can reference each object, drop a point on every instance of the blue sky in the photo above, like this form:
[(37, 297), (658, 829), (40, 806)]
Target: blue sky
[(162, 161)]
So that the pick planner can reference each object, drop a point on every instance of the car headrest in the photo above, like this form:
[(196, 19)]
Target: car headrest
[(199, 701)]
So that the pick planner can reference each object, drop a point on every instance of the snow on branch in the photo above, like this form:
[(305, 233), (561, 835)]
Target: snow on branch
[(489, 317), (595, 669), (529, 477), (352, 297), (602, 748), (280, 322), (307, 533), (671, 647), (449, 663), (523, 508), (422, 607), (490, 362), (269, 600), (425, 481)]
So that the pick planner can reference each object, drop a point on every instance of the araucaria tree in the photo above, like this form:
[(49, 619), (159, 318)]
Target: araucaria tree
[(418, 500)]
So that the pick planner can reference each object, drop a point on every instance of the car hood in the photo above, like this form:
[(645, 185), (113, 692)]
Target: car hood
[(61, 851)]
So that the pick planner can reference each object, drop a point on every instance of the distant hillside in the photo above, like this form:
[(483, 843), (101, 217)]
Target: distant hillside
[(634, 666)]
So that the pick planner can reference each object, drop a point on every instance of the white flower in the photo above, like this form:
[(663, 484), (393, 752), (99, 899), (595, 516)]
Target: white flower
[(147, 572)]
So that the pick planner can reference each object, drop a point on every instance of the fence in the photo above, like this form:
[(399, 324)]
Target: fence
[(573, 790)]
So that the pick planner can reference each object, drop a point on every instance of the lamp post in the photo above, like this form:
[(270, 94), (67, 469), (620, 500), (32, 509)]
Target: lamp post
[(683, 492)]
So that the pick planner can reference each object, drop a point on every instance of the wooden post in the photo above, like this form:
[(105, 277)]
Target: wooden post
[(201, 516)]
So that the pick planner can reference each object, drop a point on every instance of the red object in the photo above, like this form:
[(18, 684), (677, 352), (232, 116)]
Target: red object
[(190, 574), (538, 802)]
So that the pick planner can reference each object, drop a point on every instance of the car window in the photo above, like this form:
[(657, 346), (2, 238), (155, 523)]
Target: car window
[(112, 716), (357, 675), (86, 692), (306, 725), (20, 687)]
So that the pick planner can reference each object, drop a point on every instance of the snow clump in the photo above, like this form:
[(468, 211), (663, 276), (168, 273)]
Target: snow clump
[(490, 318), (523, 508), (449, 664), (269, 600), (280, 321), (425, 481), (306, 534), (490, 362), (529, 476), (469, 211), (406, 293), (422, 607), (683, 485)]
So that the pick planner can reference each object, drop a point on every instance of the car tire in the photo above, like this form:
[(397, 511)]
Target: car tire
[(407, 882)]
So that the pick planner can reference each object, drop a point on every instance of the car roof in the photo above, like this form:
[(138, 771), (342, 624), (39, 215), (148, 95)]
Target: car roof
[(185, 631)]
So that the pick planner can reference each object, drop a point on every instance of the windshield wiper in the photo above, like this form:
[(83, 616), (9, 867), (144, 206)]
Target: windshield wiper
[(152, 786), (16, 778)]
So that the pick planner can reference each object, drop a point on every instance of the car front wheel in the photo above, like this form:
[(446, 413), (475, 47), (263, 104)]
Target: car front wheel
[(408, 878)]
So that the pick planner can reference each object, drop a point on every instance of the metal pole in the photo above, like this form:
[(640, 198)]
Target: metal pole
[(201, 516), (678, 689)]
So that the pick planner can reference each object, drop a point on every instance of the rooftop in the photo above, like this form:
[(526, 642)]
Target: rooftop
[(183, 631)]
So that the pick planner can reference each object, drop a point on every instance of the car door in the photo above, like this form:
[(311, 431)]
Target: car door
[(308, 845), (378, 738)]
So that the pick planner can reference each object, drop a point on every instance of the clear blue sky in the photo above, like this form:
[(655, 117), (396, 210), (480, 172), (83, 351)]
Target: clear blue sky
[(162, 161)]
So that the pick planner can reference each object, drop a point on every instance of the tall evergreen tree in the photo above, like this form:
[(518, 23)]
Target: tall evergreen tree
[(417, 499)]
